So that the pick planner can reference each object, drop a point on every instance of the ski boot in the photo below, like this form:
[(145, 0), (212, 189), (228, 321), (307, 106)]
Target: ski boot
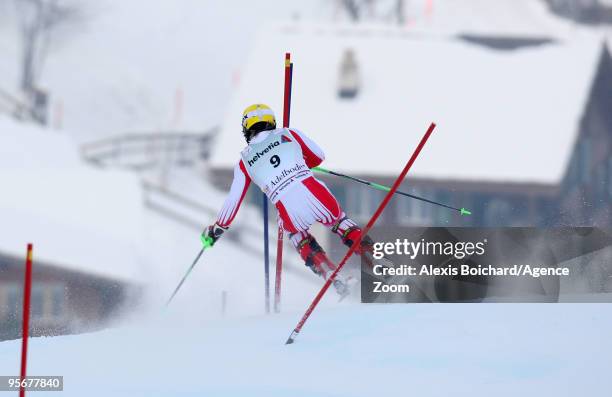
[(352, 234), (319, 263), (322, 266), (366, 248)]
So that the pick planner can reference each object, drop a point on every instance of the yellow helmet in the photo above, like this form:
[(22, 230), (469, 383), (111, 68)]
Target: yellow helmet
[(255, 114)]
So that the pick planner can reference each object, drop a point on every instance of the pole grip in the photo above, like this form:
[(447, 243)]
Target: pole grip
[(287, 91)]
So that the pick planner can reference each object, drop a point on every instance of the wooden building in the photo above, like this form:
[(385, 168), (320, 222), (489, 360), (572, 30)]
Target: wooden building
[(63, 300), (524, 123)]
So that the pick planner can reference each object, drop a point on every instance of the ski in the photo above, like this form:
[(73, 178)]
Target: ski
[(342, 286)]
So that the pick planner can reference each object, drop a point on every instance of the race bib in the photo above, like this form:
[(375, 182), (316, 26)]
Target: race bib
[(275, 163)]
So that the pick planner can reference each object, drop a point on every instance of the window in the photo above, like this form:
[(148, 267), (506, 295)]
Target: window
[(600, 182), (13, 301), (403, 207), (584, 160), (497, 212), (610, 176), (339, 191), (57, 301), (443, 216), (47, 301), (573, 170), (38, 301), (363, 201), (411, 211)]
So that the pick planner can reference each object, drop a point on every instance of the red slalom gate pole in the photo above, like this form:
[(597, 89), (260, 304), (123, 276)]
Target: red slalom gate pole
[(287, 92), (27, 292), (279, 240), (365, 231)]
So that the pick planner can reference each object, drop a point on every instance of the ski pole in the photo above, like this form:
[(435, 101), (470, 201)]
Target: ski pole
[(384, 188), (207, 243), (266, 253), (365, 231)]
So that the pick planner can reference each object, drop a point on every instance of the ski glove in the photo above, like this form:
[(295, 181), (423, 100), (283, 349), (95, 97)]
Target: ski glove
[(212, 234)]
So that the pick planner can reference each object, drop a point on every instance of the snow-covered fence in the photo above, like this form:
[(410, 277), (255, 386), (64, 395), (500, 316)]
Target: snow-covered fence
[(178, 207), (189, 212), (139, 151)]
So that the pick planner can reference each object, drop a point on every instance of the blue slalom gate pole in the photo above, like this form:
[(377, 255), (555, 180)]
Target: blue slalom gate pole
[(264, 203)]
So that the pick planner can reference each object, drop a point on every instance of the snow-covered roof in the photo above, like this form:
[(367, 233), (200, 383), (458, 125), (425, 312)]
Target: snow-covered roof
[(501, 115), (77, 217)]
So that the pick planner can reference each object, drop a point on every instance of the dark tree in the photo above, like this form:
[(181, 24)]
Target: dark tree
[(38, 22), (38, 19), (583, 11), (357, 9)]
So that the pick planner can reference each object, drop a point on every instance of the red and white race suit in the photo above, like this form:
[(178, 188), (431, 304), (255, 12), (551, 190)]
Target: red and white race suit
[(279, 162)]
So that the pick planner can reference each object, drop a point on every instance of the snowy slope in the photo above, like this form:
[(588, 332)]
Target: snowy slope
[(94, 221), (76, 216), (368, 350)]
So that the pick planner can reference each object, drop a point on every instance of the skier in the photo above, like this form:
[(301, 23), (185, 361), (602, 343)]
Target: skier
[(279, 161)]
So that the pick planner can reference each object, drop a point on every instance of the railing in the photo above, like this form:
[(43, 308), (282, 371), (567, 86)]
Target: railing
[(145, 150), (187, 211), (13, 106), (191, 214)]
